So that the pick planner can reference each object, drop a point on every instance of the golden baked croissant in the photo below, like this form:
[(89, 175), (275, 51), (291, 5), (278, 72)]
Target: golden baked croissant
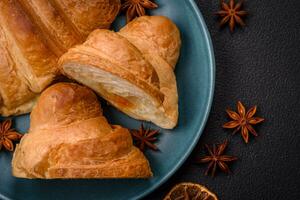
[(132, 69), (69, 138), (33, 34)]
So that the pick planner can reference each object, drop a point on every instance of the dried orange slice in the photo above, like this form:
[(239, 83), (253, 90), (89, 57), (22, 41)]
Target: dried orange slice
[(190, 191)]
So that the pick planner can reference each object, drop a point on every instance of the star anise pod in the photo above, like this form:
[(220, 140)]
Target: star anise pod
[(145, 138), (232, 13), (216, 158), (243, 121), (136, 8), (8, 135)]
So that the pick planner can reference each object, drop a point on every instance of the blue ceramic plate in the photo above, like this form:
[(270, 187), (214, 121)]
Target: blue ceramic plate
[(195, 78)]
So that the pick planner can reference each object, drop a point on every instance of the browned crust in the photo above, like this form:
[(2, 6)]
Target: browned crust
[(134, 59), (35, 63), (35, 33), (155, 35), (80, 145), (56, 33), (85, 16), (60, 9), (62, 100), (105, 44), (113, 68), (15, 95)]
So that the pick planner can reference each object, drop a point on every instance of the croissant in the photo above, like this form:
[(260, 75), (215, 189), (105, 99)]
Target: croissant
[(131, 69), (70, 138), (33, 34)]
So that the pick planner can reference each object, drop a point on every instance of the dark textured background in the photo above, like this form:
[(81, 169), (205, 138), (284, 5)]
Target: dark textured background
[(259, 65)]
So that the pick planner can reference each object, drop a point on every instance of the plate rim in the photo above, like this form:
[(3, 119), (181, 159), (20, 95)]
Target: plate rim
[(212, 66)]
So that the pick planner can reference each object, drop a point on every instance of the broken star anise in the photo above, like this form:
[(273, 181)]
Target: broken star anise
[(136, 8), (145, 138), (232, 13), (216, 158), (8, 135), (243, 121)]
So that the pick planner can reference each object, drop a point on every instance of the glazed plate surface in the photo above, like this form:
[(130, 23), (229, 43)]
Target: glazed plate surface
[(195, 73)]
